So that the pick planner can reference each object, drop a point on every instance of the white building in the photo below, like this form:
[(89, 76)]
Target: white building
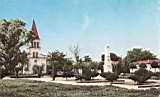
[(36, 58)]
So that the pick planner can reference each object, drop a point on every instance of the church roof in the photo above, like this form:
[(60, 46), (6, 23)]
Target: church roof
[(34, 30)]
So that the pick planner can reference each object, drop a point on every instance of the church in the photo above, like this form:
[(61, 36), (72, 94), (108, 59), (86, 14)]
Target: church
[(35, 56)]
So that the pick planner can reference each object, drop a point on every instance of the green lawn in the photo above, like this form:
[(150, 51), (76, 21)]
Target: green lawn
[(24, 88)]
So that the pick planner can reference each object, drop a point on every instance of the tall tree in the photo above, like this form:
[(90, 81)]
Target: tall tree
[(58, 61), (55, 59), (75, 50), (138, 54), (13, 36)]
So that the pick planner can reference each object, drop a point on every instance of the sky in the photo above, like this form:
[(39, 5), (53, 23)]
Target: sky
[(92, 24)]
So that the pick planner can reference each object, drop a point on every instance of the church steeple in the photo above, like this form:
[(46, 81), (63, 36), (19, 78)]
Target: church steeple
[(34, 30)]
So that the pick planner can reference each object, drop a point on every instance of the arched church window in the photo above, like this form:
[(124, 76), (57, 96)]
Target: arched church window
[(37, 44), (32, 44), (35, 61), (34, 55)]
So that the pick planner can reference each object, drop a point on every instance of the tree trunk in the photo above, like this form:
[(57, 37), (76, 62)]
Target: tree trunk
[(1, 74), (17, 73), (53, 73)]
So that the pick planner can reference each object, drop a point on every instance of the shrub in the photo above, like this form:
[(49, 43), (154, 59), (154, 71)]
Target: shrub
[(157, 74), (141, 75), (94, 73), (86, 73), (68, 73), (38, 70), (110, 76)]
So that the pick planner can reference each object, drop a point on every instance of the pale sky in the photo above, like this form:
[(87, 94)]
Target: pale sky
[(92, 24)]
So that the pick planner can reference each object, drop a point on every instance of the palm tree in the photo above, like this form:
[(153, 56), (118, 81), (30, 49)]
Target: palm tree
[(55, 59)]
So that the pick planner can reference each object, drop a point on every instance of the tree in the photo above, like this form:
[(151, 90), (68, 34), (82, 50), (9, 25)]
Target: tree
[(138, 54), (141, 75), (67, 68), (125, 65), (117, 68), (38, 70), (55, 60), (110, 76), (75, 52), (89, 70), (13, 36)]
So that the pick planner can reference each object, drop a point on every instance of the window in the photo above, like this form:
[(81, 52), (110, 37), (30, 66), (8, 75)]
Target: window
[(36, 54), (33, 54), (37, 44), (35, 61), (32, 44)]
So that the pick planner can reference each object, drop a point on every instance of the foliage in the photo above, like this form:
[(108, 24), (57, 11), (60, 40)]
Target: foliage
[(157, 74), (141, 75), (117, 68), (13, 36), (23, 58), (137, 54), (75, 50), (56, 59), (38, 70), (110, 76), (68, 69), (125, 65), (89, 70), (58, 62), (100, 66)]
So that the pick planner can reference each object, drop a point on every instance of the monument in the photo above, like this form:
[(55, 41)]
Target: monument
[(107, 67)]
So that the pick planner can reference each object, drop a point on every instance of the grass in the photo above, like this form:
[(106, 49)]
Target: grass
[(25, 88)]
